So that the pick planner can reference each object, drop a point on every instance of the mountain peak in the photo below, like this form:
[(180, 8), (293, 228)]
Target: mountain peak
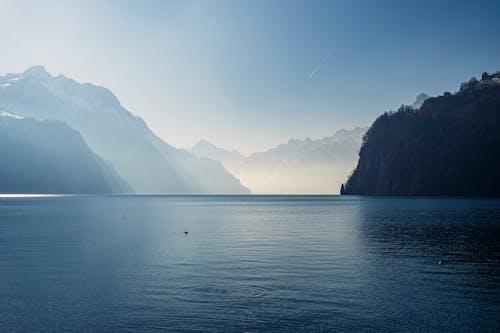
[(203, 143), (114, 133), (37, 70)]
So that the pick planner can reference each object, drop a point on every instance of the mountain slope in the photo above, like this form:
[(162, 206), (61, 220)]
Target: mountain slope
[(296, 167), (146, 162), (206, 149), (50, 157), (447, 147)]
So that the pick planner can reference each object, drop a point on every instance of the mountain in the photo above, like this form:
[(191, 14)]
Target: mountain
[(342, 146), (50, 157), (206, 149), (296, 167), (145, 161), (449, 146)]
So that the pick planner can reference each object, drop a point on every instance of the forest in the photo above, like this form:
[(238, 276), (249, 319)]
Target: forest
[(448, 146)]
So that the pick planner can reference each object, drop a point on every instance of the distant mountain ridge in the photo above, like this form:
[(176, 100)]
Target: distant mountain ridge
[(449, 146), (205, 148), (50, 157), (297, 167), (343, 145), (145, 161), (421, 98)]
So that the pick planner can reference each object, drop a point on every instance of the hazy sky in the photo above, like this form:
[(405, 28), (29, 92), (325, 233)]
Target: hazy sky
[(251, 74)]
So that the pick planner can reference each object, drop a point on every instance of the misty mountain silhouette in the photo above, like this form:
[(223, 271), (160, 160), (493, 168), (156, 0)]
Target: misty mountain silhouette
[(419, 100), (145, 161), (449, 146), (50, 157), (205, 148), (296, 167)]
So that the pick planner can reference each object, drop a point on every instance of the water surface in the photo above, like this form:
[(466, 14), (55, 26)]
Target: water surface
[(249, 263)]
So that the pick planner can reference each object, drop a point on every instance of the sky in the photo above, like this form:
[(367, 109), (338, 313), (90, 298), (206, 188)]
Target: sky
[(248, 75)]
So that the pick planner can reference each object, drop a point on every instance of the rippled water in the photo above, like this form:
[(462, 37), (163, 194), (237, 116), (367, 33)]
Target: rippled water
[(249, 264)]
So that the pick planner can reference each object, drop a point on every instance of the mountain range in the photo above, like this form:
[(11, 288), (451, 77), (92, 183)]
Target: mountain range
[(142, 159), (297, 167), (62, 136)]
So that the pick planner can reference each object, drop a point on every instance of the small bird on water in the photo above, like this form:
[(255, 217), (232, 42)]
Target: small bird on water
[(185, 232), (440, 262)]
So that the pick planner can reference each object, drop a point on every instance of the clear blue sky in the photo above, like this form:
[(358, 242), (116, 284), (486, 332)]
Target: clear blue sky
[(238, 73)]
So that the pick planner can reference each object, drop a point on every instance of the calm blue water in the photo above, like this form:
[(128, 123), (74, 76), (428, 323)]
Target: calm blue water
[(254, 264)]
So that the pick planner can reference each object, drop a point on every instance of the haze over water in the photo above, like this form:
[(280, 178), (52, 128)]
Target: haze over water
[(248, 263)]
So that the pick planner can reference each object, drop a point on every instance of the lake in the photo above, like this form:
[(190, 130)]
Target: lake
[(249, 264)]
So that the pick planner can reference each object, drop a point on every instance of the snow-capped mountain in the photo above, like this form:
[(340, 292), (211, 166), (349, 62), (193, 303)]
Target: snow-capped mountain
[(145, 161), (297, 167), (340, 147)]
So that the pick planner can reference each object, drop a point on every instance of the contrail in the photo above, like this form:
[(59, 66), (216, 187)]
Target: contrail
[(318, 66)]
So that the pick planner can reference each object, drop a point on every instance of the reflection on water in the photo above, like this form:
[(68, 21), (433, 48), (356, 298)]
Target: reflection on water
[(249, 264)]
